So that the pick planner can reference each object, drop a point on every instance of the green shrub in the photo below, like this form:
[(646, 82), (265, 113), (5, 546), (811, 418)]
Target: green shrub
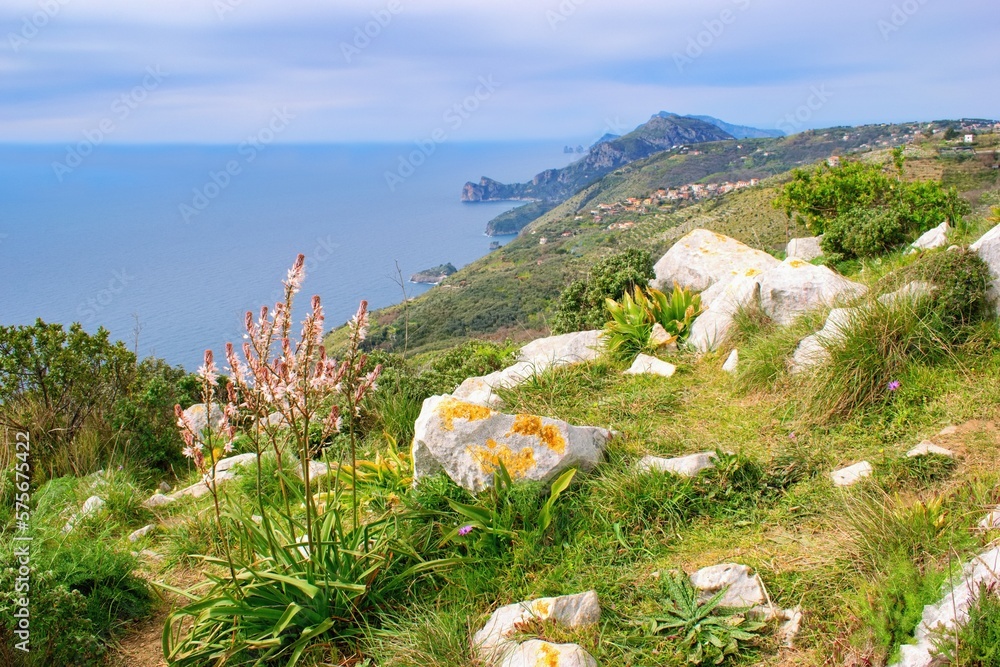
[(863, 232), (977, 641), (475, 357), (960, 278), (581, 304)]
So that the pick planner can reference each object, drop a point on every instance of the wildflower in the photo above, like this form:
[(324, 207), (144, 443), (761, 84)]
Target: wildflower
[(465, 530), (208, 372), (228, 449), (792, 435), (296, 274), (894, 385)]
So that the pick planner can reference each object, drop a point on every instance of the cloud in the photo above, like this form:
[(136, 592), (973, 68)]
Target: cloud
[(388, 70)]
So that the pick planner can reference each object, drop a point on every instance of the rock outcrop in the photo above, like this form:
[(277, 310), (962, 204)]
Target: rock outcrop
[(796, 287), (988, 249), (933, 238), (469, 442), (703, 258), (494, 643), (806, 249)]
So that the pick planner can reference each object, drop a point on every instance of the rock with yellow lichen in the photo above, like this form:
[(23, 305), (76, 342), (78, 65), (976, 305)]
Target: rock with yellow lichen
[(495, 643), (703, 258), (538, 653), (469, 442), (796, 287)]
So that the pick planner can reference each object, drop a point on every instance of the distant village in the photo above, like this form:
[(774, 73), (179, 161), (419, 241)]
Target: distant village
[(689, 192)]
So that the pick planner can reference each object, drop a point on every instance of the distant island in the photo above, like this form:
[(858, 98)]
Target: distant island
[(434, 275)]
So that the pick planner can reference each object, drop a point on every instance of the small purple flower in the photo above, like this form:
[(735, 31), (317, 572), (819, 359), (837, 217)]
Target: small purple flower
[(792, 435), (894, 385), (465, 530)]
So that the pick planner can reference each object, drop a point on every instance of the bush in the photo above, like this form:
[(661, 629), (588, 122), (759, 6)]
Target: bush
[(632, 320), (977, 641), (960, 280), (581, 304), (864, 210)]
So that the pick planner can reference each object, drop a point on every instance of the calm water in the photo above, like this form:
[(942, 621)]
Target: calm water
[(110, 246)]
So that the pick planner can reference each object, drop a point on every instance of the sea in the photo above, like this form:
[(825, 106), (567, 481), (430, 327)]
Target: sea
[(168, 246)]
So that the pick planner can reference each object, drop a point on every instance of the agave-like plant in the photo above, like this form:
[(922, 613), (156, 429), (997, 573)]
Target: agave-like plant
[(628, 331), (704, 632)]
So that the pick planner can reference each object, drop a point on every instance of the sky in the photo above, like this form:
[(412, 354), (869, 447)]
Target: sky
[(220, 71)]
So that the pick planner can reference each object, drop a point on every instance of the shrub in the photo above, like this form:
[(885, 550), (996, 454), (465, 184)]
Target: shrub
[(960, 280), (581, 304), (977, 641), (865, 209)]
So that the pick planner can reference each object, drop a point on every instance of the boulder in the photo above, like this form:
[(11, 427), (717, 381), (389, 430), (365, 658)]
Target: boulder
[(230, 462), (535, 357), (136, 535), (991, 520), (851, 474), (721, 302), (796, 287), (659, 337), (927, 448), (685, 466), (197, 415), (702, 258), (806, 249), (647, 365), (732, 362), (744, 587), (813, 350), (988, 249), (571, 348), (932, 238), (469, 442), (570, 612), (536, 652), (482, 390)]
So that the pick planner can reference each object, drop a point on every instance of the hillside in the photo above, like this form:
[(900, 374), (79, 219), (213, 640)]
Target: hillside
[(511, 291), (658, 134)]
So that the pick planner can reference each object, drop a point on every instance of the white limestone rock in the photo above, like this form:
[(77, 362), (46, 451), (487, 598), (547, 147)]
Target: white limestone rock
[(468, 442), (911, 292), (538, 653), (851, 474), (493, 641), (991, 520), (702, 258), (482, 390), (197, 415), (932, 238), (927, 448), (951, 611), (732, 362), (814, 350), (988, 249), (228, 463), (535, 357), (659, 337), (137, 535), (721, 302), (806, 249), (92, 505), (796, 287), (744, 587), (563, 350), (685, 466), (157, 500), (647, 365)]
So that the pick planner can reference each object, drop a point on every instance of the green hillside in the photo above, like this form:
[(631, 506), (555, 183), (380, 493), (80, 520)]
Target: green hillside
[(511, 291)]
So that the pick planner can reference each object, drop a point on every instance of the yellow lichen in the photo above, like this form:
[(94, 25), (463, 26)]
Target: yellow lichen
[(451, 409), (493, 454), (547, 656), (530, 425), (752, 272), (796, 263), (541, 609)]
